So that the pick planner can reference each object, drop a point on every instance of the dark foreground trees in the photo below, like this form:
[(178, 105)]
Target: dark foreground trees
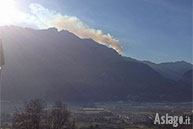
[(36, 115)]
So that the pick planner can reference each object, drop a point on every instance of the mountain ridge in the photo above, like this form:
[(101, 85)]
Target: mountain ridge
[(59, 65)]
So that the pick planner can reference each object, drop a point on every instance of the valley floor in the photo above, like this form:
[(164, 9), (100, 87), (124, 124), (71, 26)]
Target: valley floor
[(117, 115)]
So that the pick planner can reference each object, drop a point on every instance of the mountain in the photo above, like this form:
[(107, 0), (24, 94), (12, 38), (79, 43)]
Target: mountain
[(186, 78), (188, 75), (58, 65), (171, 70)]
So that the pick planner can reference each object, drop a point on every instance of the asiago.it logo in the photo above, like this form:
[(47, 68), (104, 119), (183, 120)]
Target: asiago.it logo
[(172, 120)]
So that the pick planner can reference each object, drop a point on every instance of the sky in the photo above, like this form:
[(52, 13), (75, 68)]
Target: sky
[(153, 30)]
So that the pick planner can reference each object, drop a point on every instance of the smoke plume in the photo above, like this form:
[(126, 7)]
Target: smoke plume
[(46, 18)]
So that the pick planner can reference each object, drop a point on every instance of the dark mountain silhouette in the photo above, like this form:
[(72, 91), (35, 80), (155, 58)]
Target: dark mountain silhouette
[(188, 74), (179, 71), (171, 70), (187, 78), (59, 65)]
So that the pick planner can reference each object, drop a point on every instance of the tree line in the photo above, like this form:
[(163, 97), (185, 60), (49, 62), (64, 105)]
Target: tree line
[(36, 115)]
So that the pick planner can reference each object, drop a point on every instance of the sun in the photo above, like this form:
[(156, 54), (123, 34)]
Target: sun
[(8, 12)]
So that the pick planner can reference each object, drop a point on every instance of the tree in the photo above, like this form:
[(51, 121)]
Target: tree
[(30, 117), (58, 118), (34, 115)]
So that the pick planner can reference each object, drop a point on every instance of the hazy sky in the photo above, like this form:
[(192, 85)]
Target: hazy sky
[(155, 30)]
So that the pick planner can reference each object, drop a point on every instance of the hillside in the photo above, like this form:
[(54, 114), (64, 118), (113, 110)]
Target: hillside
[(171, 70), (60, 66)]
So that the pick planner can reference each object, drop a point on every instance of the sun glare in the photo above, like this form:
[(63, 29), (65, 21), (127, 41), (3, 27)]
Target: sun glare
[(8, 12)]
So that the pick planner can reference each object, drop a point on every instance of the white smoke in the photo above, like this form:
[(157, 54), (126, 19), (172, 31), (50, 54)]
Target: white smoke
[(46, 18)]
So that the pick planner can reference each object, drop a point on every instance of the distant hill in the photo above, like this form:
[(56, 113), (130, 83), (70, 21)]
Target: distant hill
[(187, 78), (171, 70), (60, 66), (188, 74)]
